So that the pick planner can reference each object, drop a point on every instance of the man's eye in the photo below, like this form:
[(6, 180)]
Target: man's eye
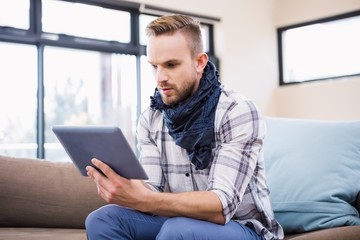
[(153, 66), (171, 65)]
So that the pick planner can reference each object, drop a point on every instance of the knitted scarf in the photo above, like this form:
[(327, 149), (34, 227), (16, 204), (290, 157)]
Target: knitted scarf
[(191, 123)]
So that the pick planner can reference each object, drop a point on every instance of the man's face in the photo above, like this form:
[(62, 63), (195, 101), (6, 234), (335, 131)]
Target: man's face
[(175, 70)]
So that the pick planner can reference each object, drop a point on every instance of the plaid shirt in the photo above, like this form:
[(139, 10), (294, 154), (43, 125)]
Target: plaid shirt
[(236, 173)]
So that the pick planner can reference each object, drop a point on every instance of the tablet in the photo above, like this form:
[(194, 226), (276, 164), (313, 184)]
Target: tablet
[(106, 143)]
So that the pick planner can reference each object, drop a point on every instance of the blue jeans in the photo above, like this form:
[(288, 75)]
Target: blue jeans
[(116, 222)]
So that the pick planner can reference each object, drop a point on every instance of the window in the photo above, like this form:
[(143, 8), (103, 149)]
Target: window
[(20, 19), (88, 87), (71, 62), (18, 101), (144, 20), (85, 21), (322, 49)]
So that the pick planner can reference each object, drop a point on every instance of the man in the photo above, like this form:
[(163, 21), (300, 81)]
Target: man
[(201, 146)]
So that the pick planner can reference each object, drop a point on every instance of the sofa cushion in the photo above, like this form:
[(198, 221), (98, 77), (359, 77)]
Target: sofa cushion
[(40, 193), (42, 234), (337, 233), (313, 171)]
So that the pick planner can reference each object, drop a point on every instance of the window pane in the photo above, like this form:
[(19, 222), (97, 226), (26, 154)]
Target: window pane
[(144, 20), (18, 89), (205, 36), (323, 50), (148, 83), (14, 13), (88, 87), (86, 21)]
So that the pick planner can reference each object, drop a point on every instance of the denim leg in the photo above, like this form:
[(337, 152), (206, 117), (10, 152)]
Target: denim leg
[(180, 228), (116, 222)]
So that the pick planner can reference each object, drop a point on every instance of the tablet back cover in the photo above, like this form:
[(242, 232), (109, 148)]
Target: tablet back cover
[(106, 143)]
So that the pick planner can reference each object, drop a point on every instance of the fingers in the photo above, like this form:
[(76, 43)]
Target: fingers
[(107, 179), (94, 174), (111, 186), (100, 180), (107, 171)]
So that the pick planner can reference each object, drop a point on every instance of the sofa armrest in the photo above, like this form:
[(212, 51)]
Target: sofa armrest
[(41, 193)]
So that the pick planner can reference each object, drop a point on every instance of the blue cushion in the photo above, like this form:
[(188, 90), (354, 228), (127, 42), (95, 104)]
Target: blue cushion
[(313, 172)]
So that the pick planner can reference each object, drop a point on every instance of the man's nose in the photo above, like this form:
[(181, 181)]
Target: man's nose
[(161, 75)]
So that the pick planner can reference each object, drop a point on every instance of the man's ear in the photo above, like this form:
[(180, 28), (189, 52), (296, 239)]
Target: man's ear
[(201, 61)]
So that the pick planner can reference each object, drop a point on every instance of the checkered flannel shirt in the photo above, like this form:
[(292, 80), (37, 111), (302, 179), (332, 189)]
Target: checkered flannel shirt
[(236, 173)]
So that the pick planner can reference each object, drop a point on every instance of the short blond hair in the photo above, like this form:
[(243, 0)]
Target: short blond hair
[(187, 25)]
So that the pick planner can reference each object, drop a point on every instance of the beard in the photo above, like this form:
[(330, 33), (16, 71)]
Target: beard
[(179, 94)]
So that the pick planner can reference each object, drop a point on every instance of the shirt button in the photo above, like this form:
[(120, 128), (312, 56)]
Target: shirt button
[(187, 174)]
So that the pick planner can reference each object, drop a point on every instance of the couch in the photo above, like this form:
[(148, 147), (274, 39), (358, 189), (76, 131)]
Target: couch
[(41, 199), (313, 170)]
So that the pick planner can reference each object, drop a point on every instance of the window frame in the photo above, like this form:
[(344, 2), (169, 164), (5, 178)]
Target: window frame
[(280, 45)]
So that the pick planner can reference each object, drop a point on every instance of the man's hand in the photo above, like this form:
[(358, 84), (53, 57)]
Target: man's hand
[(136, 194), (116, 189)]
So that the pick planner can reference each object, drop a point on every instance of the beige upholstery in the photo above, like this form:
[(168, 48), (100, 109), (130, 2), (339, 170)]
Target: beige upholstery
[(339, 233), (43, 194), (42, 234)]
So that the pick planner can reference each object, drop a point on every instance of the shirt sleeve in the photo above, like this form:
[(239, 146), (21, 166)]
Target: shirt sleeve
[(150, 155), (239, 140)]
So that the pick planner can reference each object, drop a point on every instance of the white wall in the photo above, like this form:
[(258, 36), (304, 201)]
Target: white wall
[(249, 60), (331, 100), (247, 46), (288, 12)]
